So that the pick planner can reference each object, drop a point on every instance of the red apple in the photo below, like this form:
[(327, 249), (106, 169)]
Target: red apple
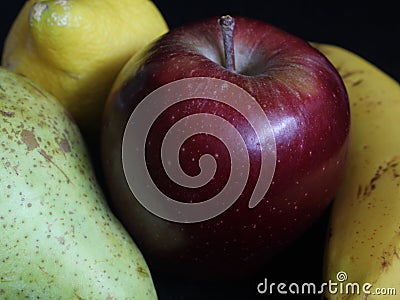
[(294, 136)]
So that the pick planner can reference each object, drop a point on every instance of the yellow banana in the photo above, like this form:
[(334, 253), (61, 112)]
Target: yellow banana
[(362, 255)]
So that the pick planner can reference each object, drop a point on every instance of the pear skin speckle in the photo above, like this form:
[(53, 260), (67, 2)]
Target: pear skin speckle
[(59, 239)]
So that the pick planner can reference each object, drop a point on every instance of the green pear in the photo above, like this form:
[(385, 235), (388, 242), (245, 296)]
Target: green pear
[(59, 239)]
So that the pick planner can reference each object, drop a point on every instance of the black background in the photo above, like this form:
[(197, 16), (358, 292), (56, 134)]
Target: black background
[(371, 30)]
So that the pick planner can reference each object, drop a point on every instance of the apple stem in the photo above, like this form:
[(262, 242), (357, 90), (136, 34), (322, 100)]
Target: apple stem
[(227, 24)]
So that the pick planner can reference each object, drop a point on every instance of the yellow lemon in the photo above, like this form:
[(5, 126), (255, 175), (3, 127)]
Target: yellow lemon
[(75, 48)]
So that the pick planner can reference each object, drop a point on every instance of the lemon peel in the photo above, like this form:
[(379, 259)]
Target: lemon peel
[(75, 48)]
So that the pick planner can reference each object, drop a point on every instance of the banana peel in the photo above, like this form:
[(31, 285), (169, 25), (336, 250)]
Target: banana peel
[(362, 254)]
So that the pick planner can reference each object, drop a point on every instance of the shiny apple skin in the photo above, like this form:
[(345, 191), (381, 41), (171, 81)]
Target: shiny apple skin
[(307, 106)]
